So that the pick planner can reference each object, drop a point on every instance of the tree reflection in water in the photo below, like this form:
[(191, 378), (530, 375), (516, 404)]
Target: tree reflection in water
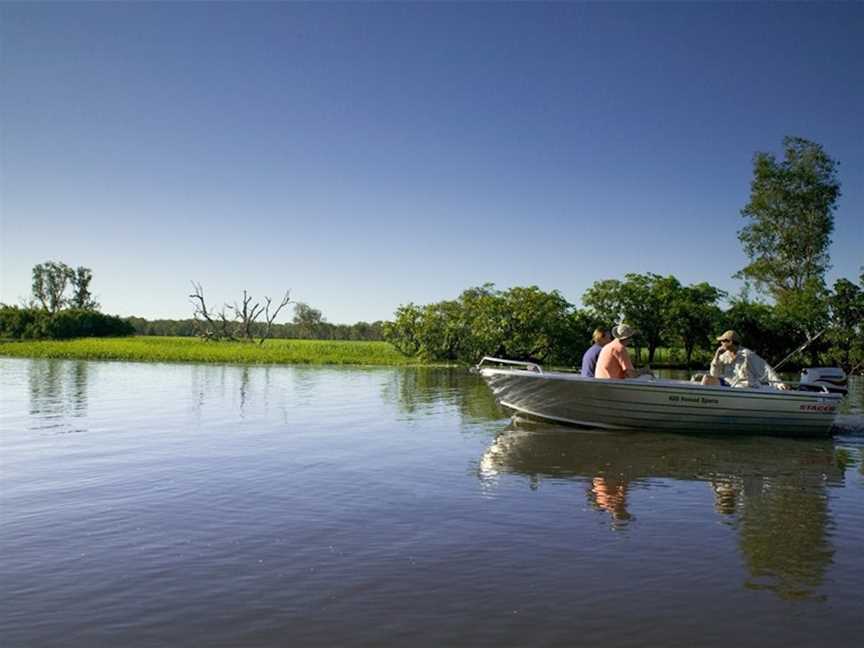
[(58, 392), (774, 491), (417, 390)]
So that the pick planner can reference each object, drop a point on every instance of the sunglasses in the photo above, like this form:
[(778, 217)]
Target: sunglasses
[(726, 341)]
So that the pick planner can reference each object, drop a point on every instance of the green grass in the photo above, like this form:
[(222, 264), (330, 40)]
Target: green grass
[(176, 349)]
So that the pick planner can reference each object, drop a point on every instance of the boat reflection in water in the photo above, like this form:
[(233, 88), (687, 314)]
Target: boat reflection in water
[(772, 491)]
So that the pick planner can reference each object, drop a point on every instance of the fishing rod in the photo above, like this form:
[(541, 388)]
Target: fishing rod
[(800, 349)]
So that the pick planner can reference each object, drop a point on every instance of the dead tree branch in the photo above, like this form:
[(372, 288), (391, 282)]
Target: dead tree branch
[(246, 315), (221, 326), (207, 327), (269, 319)]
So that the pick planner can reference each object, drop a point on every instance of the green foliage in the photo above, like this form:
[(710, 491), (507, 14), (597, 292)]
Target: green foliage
[(807, 313), (50, 280), (791, 217), (81, 298), (762, 329), (404, 331), (694, 317), (659, 307), (647, 302), (540, 326), (307, 320), (37, 323), (846, 332), (166, 349), (520, 323), (163, 327), (605, 301), (359, 331)]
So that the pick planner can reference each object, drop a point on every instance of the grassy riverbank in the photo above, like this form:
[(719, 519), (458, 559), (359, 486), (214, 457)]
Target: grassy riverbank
[(176, 349)]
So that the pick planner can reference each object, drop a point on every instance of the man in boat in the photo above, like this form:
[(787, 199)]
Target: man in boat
[(736, 366), (614, 359), (601, 338)]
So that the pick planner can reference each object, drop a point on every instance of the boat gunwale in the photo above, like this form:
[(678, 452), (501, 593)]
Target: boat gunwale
[(665, 384)]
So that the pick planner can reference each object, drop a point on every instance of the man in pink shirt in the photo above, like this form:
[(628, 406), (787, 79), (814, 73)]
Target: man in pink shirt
[(614, 360)]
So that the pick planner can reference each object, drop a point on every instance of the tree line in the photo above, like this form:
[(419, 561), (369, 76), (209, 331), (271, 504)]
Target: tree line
[(786, 237), (298, 329), (61, 307), (527, 323)]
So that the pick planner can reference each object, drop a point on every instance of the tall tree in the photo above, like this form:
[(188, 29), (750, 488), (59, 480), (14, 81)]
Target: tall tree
[(791, 218), (604, 300), (647, 302), (694, 315), (50, 280), (82, 298)]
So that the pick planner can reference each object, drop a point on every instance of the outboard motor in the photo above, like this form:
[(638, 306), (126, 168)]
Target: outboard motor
[(831, 378)]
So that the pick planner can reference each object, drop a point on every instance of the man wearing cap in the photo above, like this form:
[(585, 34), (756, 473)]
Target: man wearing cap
[(614, 360), (735, 366)]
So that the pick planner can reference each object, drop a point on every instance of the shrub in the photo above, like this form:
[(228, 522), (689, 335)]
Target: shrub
[(38, 324), (520, 323)]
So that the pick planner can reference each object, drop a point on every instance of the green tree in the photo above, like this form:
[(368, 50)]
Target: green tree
[(523, 323), (484, 323), (604, 300), (404, 331), (761, 328), (647, 301), (82, 298), (308, 320), (694, 315), (807, 312), (791, 218), (846, 332), (50, 280), (583, 322), (540, 326)]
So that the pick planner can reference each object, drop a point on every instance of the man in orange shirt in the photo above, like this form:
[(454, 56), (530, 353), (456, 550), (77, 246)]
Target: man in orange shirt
[(614, 360)]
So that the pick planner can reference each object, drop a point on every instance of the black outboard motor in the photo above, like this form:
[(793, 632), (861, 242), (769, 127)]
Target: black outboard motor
[(833, 379)]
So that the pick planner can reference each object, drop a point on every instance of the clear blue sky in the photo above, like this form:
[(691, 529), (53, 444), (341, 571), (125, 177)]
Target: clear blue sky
[(367, 155)]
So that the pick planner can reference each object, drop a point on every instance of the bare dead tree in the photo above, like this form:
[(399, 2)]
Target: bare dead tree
[(269, 319), (207, 327), (227, 326), (219, 326), (246, 314)]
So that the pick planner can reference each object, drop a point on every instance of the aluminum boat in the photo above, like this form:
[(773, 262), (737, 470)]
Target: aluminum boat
[(658, 404)]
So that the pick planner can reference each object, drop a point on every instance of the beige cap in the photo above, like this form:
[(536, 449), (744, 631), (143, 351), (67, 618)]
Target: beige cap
[(624, 331), (730, 335)]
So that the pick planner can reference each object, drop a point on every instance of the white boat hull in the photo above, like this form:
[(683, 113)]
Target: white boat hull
[(666, 405)]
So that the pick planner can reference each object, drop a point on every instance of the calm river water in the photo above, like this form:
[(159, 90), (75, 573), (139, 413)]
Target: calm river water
[(147, 504)]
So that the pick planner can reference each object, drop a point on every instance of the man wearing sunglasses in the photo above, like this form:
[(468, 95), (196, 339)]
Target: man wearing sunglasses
[(735, 366)]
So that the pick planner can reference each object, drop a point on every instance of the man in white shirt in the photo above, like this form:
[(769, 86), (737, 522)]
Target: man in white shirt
[(735, 366)]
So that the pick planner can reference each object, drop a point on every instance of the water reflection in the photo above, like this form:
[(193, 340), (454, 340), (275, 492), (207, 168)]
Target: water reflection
[(610, 494), (772, 491), (58, 392), (419, 391)]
